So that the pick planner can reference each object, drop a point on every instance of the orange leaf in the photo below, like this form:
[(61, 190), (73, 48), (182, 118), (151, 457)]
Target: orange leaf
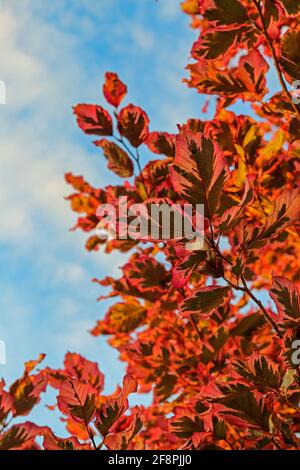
[(114, 89)]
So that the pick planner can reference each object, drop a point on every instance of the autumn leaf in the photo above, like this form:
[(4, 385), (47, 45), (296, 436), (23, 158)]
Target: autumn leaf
[(113, 409), (212, 347), (220, 362), (224, 12), (285, 212), (133, 124), (30, 365), (248, 324), (232, 216), (205, 300), (190, 6), (286, 296), (52, 442), (26, 392), (291, 6), (261, 371), (114, 89), (93, 119), (118, 160), (161, 143), (93, 243), (77, 399), (20, 437), (248, 407), (290, 55), (165, 386), (6, 402), (214, 43), (120, 440), (80, 368), (122, 317), (246, 81), (184, 424), (199, 170), (183, 270)]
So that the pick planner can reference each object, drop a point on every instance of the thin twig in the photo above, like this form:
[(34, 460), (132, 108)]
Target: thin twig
[(246, 289), (136, 158), (275, 58), (262, 308)]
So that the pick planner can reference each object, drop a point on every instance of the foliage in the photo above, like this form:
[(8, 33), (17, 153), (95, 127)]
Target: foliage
[(190, 325)]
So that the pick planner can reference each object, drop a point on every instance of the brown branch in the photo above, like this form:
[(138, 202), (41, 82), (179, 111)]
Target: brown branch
[(246, 289), (262, 308), (136, 158), (275, 58)]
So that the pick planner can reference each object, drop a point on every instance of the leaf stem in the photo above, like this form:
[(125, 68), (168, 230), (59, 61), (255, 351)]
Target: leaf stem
[(5, 424), (135, 157), (85, 418)]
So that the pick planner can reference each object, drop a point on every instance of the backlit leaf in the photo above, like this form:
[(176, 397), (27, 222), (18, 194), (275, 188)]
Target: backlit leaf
[(199, 170), (133, 124), (290, 55), (77, 399), (114, 89), (93, 119), (113, 409), (161, 143), (286, 296), (224, 12), (118, 160), (205, 300)]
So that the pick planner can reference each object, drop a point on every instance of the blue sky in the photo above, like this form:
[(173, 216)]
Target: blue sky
[(54, 55)]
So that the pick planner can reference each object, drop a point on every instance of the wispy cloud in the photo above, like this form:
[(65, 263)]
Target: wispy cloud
[(53, 55)]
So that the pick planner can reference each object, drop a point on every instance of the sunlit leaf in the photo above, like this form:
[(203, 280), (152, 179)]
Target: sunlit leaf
[(114, 89), (93, 119)]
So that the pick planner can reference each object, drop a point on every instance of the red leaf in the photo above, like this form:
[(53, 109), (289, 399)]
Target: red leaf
[(93, 119), (286, 296), (161, 143), (77, 367), (113, 408), (122, 439), (247, 81), (232, 216), (20, 437), (118, 160), (6, 402), (78, 400), (114, 89), (133, 124), (52, 442), (199, 170), (206, 299)]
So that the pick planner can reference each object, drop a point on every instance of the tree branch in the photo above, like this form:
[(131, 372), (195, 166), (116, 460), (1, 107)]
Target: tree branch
[(264, 31)]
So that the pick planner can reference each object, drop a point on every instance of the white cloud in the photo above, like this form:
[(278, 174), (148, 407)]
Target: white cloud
[(36, 124), (48, 65)]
